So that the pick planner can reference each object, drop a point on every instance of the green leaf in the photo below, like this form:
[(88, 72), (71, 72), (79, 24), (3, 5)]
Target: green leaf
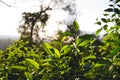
[(98, 65), (118, 64), (99, 23), (118, 5), (104, 20), (85, 42), (50, 50), (55, 52), (105, 27), (84, 39), (33, 55), (28, 76), (67, 33), (116, 10), (117, 61), (114, 50), (78, 41), (111, 5), (46, 64), (109, 10), (116, 1), (110, 0), (46, 60), (113, 15), (32, 63), (105, 14), (98, 31), (19, 68), (66, 49), (47, 47), (76, 25), (56, 43), (89, 57), (87, 36)]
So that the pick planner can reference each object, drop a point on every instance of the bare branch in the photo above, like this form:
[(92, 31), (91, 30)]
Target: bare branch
[(5, 3)]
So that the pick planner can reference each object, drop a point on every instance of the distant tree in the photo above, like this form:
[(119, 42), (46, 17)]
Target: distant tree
[(29, 29)]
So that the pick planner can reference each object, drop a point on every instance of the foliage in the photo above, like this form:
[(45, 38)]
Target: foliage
[(110, 51), (48, 61), (85, 57), (16, 59)]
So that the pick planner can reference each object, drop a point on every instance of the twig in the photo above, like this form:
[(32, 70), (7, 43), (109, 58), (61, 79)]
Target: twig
[(5, 3)]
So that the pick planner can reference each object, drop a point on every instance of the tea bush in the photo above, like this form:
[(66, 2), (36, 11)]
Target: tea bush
[(85, 57)]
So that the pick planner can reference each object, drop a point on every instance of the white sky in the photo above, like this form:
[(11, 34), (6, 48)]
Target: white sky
[(88, 11)]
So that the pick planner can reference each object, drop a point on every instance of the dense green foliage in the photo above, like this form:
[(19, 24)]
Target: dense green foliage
[(85, 57)]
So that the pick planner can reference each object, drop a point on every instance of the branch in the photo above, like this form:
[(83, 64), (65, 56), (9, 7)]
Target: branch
[(5, 3)]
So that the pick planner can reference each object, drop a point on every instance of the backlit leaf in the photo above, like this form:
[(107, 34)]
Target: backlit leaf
[(84, 39), (67, 33), (98, 31), (83, 43), (76, 25), (28, 76), (98, 65), (32, 63), (21, 68), (47, 47), (66, 49), (55, 52), (118, 64), (89, 57), (46, 60), (46, 64)]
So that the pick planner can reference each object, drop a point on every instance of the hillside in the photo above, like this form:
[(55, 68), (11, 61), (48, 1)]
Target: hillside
[(5, 41)]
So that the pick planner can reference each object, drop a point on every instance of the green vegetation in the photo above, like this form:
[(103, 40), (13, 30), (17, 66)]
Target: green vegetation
[(84, 57)]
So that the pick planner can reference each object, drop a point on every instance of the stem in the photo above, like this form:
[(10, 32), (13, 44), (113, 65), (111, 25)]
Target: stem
[(5, 3)]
